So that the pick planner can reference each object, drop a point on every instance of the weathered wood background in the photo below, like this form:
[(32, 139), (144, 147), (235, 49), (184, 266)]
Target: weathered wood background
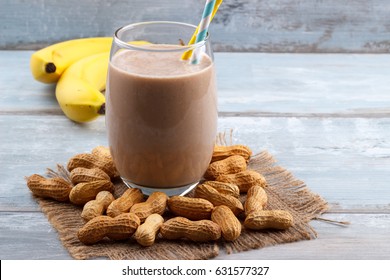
[(325, 117), (359, 26)]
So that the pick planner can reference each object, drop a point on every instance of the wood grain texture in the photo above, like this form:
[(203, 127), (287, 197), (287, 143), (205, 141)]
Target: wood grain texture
[(19, 89), (317, 85), (30, 236), (326, 118), (331, 155), (363, 239), (240, 25), (303, 84), (346, 160)]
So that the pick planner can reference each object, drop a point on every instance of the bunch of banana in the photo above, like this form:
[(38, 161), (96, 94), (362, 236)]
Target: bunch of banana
[(79, 90), (79, 67), (48, 64)]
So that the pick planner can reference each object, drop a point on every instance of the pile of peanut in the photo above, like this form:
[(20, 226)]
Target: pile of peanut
[(215, 211)]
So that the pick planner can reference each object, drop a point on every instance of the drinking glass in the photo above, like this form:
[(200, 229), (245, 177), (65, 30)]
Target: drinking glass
[(161, 110)]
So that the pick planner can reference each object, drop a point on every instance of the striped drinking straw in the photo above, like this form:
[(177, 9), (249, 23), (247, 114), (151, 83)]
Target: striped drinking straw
[(203, 27), (187, 55)]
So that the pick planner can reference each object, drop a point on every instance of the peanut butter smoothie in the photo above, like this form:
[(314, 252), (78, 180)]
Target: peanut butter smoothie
[(161, 117)]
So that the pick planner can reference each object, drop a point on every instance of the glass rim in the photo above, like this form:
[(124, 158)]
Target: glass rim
[(180, 48)]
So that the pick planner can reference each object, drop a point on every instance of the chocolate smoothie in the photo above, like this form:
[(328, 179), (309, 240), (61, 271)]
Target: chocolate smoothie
[(161, 117)]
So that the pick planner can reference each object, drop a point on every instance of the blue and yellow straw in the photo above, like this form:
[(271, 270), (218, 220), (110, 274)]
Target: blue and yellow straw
[(210, 9)]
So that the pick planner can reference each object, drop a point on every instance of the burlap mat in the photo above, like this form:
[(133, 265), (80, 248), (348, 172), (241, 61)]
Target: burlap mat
[(284, 192)]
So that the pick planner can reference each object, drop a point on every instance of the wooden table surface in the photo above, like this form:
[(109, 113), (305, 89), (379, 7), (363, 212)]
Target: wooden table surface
[(325, 117)]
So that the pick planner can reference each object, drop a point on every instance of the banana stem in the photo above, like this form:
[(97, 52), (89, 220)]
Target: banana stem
[(102, 109)]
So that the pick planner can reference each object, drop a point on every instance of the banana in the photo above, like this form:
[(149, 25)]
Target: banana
[(78, 90), (49, 63)]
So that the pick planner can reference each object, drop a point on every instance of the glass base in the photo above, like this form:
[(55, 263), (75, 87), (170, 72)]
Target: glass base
[(168, 191)]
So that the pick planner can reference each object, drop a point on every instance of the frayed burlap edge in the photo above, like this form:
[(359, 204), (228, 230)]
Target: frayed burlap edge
[(287, 193), (284, 192)]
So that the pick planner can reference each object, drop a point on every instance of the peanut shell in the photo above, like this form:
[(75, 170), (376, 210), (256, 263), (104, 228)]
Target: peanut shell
[(146, 233), (190, 207), (156, 203), (123, 204), (118, 228), (225, 218), (224, 188), (98, 206), (93, 161), (198, 231), (269, 219), (256, 199), (207, 192), (222, 152), (55, 188), (244, 180), (230, 165), (82, 174), (84, 192)]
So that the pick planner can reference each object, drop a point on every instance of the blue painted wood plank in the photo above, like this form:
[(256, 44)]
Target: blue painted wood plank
[(341, 84), (345, 160), (240, 25)]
